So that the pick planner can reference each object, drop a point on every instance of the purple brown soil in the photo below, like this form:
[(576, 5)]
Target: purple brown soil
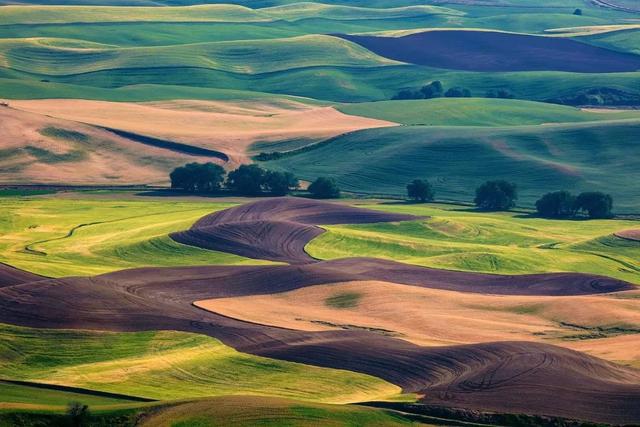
[(512, 377), (629, 235), (12, 276), (276, 229), (497, 51)]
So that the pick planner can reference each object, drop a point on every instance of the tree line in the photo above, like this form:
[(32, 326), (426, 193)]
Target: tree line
[(502, 195), (246, 180), (435, 89)]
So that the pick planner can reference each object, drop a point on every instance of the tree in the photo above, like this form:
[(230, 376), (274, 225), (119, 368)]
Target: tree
[(280, 183), (78, 414), (198, 177), (559, 204), (247, 180), (458, 92), (324, 188), (499, 93), (577, 12), (595, 204), (496, 195), (420, 191), (432, 90)]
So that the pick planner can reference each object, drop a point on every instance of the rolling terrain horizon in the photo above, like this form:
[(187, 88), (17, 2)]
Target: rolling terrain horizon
[(327, 213)]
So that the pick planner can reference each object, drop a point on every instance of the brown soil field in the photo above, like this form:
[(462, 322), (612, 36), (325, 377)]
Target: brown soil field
[(41, 149), (509, 376), (500, 376), (629, 234), (10, 276), (230, 127), (432, 317), (497, 51), (276, 229)]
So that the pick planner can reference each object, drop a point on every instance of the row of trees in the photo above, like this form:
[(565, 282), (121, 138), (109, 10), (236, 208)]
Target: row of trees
[(502, 195), (563, 204), (246, 180), (435, 89)]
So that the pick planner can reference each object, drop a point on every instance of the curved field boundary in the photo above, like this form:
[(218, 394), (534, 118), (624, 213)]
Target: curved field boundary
[(497, 51), (169, 145), (512, 377), (275, 229)]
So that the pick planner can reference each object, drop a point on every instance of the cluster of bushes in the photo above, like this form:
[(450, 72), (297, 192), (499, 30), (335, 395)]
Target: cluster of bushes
[(563, 204), (433, 90), (501, 195), (604, 96), (436, 90), (246, 180)]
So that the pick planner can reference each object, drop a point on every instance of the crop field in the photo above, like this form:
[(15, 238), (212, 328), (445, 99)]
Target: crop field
[(148, 277), (462, 239)]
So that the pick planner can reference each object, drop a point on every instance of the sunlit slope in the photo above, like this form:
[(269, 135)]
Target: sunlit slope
[(505, 243), (55, 237), (60, 57), (243, 411), (477, 112), (539, 159), (171, 365)]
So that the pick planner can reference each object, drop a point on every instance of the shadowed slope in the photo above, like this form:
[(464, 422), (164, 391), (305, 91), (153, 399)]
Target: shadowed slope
[(510, 376), (497, 51), (275, 229)]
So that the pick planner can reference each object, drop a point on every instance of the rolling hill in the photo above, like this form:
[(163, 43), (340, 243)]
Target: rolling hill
[(539, 159)]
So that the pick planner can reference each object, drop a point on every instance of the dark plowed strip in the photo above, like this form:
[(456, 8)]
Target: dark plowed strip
[(77, 390), (507, 377), (169, 145), (12, 276), (275, 229), (496, 51)]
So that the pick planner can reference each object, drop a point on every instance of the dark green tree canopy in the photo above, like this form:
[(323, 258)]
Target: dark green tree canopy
[(280, 183), (458, 92), (595, 204), (420, 191), (496, 195), (324, 188), (247, 180), (559, 204), (198, 177)]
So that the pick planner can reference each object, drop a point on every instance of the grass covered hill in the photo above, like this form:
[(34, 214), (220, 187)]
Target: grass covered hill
[(539, 159)]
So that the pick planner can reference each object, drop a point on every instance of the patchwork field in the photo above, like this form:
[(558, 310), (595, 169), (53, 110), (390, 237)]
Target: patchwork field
[(127, 303)]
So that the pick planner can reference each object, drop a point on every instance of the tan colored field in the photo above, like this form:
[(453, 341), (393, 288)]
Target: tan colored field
[(432, 317), (229, 127), (39, 149)]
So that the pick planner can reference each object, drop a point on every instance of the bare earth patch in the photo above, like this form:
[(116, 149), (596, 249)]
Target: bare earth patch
[(230, 127), (629, 234), (433, 317), (36, 148)]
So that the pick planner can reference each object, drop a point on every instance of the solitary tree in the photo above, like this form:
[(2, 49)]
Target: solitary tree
[(559, 204), (420, 191), (595, 204), (280, 183), (324, 188), (496, 195), (577, 12), (198, 177)]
